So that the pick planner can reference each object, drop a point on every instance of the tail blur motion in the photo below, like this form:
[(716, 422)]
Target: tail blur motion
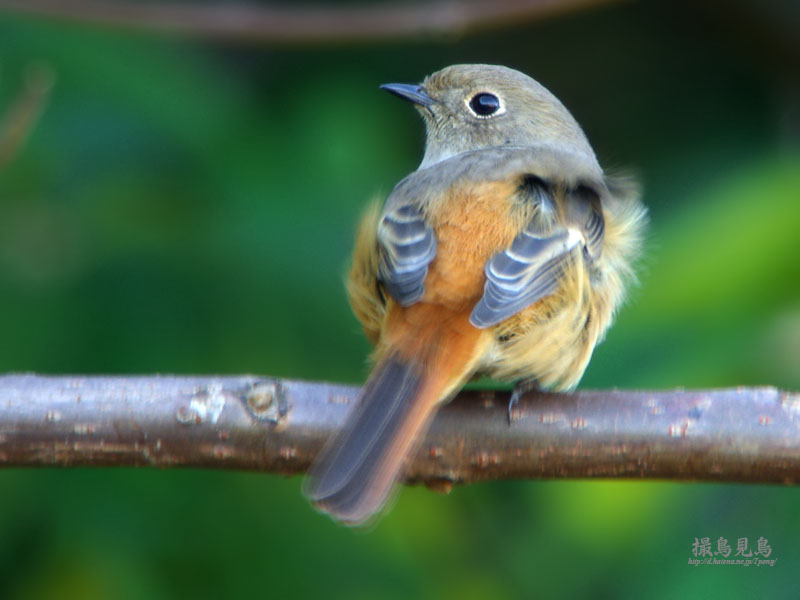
[(353, 477)]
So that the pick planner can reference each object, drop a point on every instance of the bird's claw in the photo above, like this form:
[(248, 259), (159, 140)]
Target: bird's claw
[(520, 389)]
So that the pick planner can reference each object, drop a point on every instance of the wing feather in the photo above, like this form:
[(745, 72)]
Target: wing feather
[(407, 245), (532, 266)]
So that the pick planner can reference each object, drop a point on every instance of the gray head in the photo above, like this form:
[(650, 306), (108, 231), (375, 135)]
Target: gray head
[(469, 107)]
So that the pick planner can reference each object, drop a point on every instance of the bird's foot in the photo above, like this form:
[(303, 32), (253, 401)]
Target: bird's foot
[(520, 389)]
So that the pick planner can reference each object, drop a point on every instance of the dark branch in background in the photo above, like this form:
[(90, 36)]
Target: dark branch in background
[(21, 116), (256, 423), (304, 23)]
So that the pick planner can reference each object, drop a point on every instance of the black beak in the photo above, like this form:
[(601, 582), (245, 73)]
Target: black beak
[(410, 92)]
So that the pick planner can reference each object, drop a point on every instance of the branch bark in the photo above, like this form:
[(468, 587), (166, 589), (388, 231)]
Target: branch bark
[(275, 425), (300, 24)]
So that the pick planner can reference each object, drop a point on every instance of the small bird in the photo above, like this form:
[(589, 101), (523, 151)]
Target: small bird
[(505, 253)]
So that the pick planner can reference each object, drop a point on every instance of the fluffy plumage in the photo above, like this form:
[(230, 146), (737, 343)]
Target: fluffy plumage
[(506, 253)]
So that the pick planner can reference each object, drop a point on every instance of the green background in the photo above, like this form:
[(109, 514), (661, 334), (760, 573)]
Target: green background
[(188, 207)]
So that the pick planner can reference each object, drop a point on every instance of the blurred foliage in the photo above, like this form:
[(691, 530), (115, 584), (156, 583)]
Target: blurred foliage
[(188, 207)]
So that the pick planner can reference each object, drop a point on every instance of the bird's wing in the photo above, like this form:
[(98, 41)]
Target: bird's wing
[(407, 245), (532, 267)]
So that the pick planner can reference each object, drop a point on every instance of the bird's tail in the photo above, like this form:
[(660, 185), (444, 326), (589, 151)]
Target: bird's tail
[(355, 473)]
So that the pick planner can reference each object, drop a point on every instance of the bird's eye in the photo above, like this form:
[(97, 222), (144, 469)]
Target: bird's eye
[(484, 104)]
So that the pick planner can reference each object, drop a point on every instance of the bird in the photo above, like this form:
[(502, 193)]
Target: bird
[(506, 254)]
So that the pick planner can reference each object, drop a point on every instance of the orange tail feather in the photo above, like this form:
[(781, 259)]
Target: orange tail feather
[(354, 475)]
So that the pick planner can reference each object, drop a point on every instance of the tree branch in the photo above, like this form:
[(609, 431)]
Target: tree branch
[(301, 24), (257, 423)]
